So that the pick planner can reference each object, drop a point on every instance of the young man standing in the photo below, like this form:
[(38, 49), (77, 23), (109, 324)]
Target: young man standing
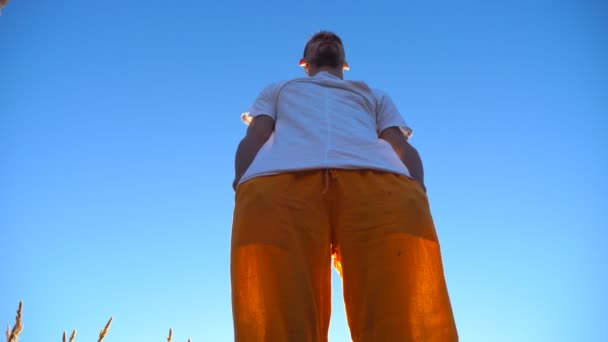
[(325, 170)]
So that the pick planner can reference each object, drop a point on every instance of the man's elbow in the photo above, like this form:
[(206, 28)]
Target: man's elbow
[(396, 139), (260, 129)]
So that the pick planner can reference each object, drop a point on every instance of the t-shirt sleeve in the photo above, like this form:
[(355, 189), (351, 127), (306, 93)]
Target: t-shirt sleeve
[(264, 104), (387, 115)]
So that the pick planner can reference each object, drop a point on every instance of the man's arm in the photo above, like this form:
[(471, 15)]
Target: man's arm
[(258, 133), (406, 152)]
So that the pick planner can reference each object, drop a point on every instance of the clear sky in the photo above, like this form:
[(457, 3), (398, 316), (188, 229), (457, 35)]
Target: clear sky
[(119, 121)]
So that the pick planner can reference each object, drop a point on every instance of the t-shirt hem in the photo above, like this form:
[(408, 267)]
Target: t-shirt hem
[(277, 172)]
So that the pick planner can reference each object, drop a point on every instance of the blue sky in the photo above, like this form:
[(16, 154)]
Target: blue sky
[(119, 121)]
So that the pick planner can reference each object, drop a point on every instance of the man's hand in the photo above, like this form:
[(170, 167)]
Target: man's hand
[(258, 133), (406, 152)]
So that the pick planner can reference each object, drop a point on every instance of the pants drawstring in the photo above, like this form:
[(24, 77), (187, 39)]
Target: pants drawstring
[(325, 181), (328, 174)]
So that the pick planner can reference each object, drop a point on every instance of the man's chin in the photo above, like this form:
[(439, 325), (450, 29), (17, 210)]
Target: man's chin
[(327, 60), (330, 65)]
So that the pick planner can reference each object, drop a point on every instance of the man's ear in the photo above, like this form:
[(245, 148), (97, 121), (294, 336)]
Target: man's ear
[(345, 66), (304, 64)]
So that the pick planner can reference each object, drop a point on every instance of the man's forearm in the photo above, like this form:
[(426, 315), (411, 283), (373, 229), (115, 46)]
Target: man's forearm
[(259, 131), (411, 159), (407, 153), (245, 153)]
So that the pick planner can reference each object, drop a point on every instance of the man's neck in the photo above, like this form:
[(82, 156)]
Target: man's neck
[(338, 72)]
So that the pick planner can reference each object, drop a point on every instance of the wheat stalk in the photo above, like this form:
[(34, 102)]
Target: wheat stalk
[(14, 334), (103, 333), (71, 337), (63, 338)]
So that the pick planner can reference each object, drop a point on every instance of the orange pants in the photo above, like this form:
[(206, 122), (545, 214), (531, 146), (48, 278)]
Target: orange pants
[(379, 230)]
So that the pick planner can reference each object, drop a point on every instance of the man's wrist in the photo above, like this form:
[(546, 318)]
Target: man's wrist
[(421, 183), (236, 181)]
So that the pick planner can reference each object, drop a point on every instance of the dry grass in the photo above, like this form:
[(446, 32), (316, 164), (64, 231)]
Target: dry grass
[(13, 335), (104, 331), (170, 338), (72, 337)]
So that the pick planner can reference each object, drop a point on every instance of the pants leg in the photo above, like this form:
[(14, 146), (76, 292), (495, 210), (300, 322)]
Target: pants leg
[(281, 260), (390, 260)]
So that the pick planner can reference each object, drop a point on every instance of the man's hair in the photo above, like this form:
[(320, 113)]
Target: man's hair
[(318, 34)]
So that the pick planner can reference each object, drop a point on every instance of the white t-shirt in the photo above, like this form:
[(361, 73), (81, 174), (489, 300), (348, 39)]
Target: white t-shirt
[(325, 122)]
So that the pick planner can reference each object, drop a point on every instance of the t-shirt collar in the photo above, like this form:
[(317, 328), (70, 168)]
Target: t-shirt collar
[(326, 74)]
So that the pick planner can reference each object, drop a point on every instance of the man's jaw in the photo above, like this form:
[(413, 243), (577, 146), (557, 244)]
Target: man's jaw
[(326, 57)]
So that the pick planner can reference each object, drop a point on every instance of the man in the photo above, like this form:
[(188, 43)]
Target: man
[(325, 170)]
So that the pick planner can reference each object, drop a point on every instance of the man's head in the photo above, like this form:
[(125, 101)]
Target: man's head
[(324, 52)]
